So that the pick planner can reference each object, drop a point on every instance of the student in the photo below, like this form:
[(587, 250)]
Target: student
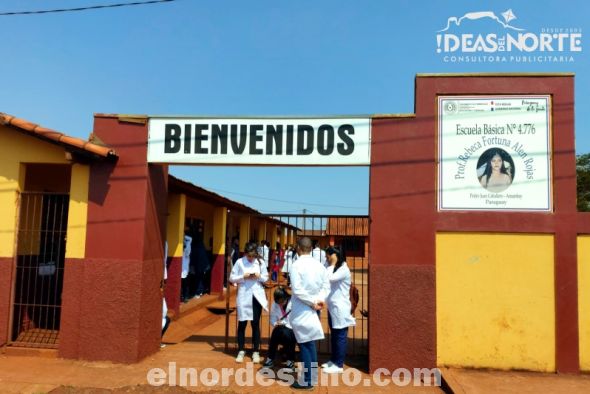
[(249, 273), (339, 317), (186, 258), (319, 254), (276, 259), (165, 318), (282, 333), (309, 287), (263, 251), (290, 258), (199, 264)]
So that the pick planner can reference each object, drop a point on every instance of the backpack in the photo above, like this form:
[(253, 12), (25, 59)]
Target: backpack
[(354, 298)]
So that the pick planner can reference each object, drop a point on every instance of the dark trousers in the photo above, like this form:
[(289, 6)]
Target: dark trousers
[(199, 283), (256, 312), (338, 338), (309, 357), (186, 288), (284, 336), (166, 325)]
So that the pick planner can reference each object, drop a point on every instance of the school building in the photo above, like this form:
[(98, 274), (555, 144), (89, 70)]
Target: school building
[(458, 275)]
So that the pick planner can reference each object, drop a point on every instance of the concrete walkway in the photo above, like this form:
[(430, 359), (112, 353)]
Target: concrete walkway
[(465, 381), (196, 340)]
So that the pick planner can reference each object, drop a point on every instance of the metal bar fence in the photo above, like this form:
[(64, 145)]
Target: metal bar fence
[(40, 258), (343, 231)]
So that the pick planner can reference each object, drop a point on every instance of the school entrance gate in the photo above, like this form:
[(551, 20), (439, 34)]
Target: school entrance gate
[(350, 233), (463, 270)]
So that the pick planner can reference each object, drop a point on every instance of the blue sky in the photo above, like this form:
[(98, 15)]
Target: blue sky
[(199, 57)]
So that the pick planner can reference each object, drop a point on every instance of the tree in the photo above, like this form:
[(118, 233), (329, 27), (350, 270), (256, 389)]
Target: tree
[(583, 176)]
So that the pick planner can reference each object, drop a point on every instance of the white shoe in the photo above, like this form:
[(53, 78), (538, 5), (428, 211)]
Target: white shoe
[(328, 364), (256, 358), (333, 369), (240, 358)]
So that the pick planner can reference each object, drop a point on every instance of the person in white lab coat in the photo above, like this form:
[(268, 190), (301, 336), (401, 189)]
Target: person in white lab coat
[(290, 258), (186, 259), (309, 289), (319, 254), (339, 317), (250, 273), (165, 318), (282, 332)]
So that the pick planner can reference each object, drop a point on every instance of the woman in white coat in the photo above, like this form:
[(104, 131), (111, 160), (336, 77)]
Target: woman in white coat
[(250, 273), (339, 316)]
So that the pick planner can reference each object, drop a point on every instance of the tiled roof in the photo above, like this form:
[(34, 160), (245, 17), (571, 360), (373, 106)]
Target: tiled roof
[(73, 143)]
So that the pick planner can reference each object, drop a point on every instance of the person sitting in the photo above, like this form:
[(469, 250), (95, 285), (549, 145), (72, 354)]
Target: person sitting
[(282, 333)]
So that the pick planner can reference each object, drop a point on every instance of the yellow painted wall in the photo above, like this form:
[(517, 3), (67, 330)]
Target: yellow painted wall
[(584, 300), (495, 301), (78, 211), (219, 227), (261, 229), (283, 238), (29, 219), (15, 149), (244, 231), (175, 224), (273, 239)]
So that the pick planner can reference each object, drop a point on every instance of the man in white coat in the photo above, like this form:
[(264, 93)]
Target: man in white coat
[(309, 288)]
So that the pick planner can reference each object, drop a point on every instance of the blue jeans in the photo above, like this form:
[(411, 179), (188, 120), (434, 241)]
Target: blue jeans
[(338, 338), (309, 357)]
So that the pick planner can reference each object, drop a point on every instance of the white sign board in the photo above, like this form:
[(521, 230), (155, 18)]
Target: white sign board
[(494, 153), (332, 142)]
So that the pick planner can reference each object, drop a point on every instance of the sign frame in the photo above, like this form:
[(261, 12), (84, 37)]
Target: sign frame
[(260, 141), (527, 143)]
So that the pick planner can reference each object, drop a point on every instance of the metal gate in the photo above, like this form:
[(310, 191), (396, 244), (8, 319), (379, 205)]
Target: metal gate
[(40, 259), (351, 234)]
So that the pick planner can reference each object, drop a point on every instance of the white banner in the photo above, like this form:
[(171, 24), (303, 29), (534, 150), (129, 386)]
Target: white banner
[(494, 153), (332, 142)]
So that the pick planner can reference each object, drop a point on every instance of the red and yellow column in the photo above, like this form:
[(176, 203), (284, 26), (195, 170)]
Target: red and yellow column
[(262, 230), (219, 238), (175, 238), (283, 237), (244, 231), (273, 236)]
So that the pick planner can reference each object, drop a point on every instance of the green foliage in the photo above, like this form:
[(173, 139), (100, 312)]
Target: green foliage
[(583, 175)]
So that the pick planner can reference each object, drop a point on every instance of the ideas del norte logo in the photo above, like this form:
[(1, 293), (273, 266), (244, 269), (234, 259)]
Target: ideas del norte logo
[(503, 40)]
